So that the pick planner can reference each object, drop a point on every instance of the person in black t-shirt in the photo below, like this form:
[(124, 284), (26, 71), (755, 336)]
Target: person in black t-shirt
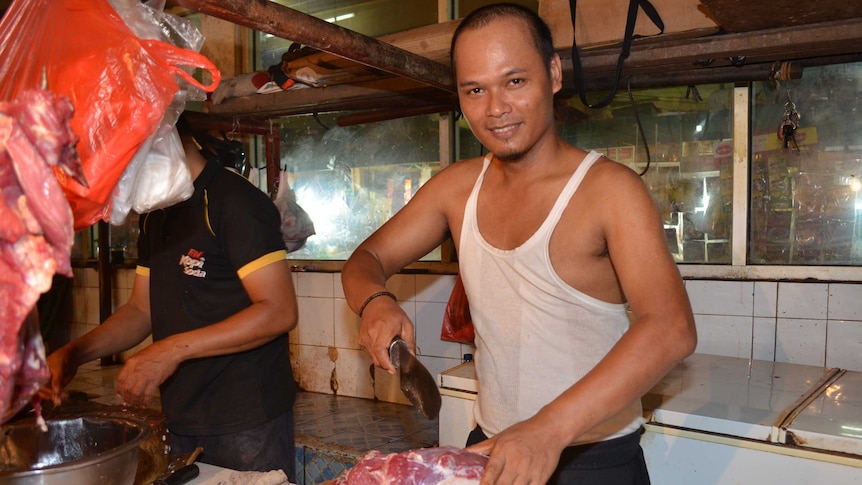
[(214, 288)]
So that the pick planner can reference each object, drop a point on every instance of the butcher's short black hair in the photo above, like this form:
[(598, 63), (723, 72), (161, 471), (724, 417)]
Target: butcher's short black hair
[(483, 16)]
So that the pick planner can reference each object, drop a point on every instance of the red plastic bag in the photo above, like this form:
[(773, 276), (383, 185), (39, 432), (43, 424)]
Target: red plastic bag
[(120, 85), (457, 323)]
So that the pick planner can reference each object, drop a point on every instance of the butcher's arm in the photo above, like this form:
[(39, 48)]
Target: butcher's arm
[(128, 326), (416, 229), (273, 312), (661, 334)]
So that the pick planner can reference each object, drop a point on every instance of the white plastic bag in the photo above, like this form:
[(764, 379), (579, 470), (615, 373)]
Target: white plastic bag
[(157, 177)]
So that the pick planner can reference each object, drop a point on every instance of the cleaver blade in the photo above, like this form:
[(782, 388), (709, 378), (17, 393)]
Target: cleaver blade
[(416, 382)]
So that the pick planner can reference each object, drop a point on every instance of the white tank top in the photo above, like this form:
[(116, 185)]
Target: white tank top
[(535, 334)]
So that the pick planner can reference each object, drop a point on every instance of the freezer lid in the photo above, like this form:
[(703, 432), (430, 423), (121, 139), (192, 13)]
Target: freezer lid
[(462, 377), (833, 420), (728, 395)]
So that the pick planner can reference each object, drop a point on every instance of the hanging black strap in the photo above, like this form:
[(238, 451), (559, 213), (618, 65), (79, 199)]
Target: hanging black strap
[(632, 16)]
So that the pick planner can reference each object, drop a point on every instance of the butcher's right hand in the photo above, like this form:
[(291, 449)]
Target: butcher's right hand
[(62, 370), (382, 320)]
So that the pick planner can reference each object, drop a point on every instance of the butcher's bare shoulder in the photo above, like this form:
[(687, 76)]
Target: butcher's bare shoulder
[(603, 203), (611, 185), (452, 185), (462, 173)]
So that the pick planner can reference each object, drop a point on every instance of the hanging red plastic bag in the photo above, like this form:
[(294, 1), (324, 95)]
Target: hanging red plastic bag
[(120, 85), (457, 323)]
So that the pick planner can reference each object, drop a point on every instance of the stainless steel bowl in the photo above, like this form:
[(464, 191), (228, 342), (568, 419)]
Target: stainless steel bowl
[(84, 450)]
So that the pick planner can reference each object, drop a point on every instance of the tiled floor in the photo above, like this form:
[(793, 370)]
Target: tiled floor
[(331, 431)]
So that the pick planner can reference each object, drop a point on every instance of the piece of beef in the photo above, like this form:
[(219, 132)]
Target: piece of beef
[(44, 120), (35, 234), (423, 466), (11, 225), (32, 370), (45, 197)]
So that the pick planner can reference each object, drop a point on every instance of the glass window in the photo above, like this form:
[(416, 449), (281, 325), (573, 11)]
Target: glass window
[(467, 6), (352, 179), (805, 203), (689, 132)]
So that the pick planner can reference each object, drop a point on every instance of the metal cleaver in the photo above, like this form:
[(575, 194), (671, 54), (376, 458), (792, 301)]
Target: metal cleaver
[(416, 382)]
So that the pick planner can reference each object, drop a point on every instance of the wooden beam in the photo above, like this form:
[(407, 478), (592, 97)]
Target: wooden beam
[(689, 77), (203, 121), (387, 93), (782, 44), (377, 115), (287, 23), (746, 16)]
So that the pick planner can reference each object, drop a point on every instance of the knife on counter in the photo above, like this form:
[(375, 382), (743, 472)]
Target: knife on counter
[(182, 469), (181, 476), (416, 382)]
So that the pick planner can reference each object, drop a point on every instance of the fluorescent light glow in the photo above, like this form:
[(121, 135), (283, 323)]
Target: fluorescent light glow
[(339, 18)]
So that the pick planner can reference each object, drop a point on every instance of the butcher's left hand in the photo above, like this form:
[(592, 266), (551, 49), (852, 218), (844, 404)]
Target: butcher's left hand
[(524, 453), (140, 378)]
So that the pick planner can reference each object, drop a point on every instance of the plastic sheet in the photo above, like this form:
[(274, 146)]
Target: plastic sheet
[(457, 322), (296, 225), (121, 85)]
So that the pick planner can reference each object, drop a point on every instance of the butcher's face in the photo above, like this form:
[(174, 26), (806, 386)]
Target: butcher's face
[(505, 88)]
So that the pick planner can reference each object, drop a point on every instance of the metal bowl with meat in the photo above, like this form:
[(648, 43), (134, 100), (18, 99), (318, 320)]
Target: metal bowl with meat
[(86, 449)]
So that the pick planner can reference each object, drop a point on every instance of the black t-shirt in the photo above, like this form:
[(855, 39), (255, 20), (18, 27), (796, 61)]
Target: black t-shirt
[(196, 253)]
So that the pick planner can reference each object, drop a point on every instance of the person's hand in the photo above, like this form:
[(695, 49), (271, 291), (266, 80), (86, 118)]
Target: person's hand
[(140, 378), (382, 320), (62, 370), (524, 453)]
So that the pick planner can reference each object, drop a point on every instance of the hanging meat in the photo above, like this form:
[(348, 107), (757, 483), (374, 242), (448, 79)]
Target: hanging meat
[(422, 466), (37, 145)]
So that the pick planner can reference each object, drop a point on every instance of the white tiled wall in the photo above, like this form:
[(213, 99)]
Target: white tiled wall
[(325, 349), (85, 295), (805, 323)]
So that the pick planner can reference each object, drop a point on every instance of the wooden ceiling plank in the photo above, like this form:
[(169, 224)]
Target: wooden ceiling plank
[(747, 16)]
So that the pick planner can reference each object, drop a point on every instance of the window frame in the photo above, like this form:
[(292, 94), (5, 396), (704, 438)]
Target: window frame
[(738, 269)]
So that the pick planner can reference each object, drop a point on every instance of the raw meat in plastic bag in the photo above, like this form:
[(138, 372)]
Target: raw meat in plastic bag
[(296, 225)]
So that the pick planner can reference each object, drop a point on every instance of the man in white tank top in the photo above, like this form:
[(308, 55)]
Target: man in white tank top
[(554, 244)]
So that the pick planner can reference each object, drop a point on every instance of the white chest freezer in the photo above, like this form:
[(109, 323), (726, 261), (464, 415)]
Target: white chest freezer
[(458, 388), (717, 420)]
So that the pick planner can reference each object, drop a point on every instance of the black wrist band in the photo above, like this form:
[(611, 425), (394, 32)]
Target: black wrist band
[(375, 295)]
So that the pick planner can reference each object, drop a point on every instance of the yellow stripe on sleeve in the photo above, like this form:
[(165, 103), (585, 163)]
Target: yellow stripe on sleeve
[(262, 261), (207, 213), (142, 270)]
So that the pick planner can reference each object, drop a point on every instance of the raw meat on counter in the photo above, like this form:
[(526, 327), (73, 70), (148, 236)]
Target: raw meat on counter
[(423, 466), (36, 232)]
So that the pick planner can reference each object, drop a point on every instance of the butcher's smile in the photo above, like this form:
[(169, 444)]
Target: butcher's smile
[(505, 131)]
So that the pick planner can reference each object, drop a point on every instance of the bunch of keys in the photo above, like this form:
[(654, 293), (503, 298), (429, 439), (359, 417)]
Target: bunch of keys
[(789, 124)]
